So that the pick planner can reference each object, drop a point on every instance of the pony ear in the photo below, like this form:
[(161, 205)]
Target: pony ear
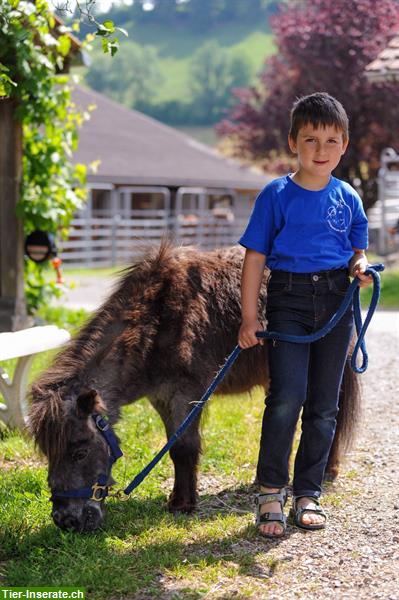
[(88, 402)]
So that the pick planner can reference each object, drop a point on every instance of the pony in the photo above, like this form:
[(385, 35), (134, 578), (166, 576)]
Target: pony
[(163, 332)]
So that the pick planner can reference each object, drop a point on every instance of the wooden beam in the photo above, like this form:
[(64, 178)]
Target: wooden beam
[(12, 298)]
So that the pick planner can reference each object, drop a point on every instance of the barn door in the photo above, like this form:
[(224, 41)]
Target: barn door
[(205, 216)]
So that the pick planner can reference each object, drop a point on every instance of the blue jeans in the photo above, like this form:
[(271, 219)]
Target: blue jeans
[(304, 376)]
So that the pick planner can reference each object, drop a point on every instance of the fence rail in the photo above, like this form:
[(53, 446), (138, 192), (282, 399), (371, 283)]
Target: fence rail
[(112, 240)]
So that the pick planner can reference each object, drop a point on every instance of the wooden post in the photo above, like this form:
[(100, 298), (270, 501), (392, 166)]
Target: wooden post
[(12, 298)]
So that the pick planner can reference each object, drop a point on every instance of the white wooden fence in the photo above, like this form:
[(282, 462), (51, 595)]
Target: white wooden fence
[(105, 239)]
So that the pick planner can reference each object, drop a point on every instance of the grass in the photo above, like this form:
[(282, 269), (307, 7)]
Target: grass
[(89, 272), (389, 291), (141, 550), (141, 546)]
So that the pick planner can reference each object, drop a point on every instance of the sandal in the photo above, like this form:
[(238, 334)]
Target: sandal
[(270, 517), (297, 512)]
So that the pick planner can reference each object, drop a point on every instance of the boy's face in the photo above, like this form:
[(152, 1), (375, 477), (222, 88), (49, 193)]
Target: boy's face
[(319, 150)]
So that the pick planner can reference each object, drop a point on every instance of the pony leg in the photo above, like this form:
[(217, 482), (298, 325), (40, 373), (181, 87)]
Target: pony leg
[(184, 453)]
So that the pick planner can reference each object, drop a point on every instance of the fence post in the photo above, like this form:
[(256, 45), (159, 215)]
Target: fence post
[(114, 239), (88, 262)]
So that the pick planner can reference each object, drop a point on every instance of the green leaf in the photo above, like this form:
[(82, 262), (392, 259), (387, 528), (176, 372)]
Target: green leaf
[(5, 84), (64, 44), (81, 172), (114, 46), (110, 45), (101, 30), (110, 26)]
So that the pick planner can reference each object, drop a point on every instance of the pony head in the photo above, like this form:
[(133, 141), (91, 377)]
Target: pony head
[(78, 455)]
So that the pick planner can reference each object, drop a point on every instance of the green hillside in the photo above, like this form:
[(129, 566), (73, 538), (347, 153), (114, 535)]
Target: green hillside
[(154, 69), (177, 47)]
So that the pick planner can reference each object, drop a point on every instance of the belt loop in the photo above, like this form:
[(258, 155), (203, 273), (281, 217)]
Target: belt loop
[(289, 282), (330, 284)]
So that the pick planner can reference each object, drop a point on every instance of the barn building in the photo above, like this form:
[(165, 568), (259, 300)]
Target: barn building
[(151, 180)]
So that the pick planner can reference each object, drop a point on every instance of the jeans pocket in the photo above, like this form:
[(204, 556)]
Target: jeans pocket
[(276, 289)]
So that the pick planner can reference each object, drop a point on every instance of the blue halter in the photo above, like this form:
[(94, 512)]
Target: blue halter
[(100, 490)]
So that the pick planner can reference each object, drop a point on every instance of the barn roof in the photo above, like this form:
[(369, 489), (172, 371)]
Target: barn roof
[(135, 149), (386, 66)]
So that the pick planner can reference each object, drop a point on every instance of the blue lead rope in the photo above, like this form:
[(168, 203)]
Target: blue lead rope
[(353, 293)]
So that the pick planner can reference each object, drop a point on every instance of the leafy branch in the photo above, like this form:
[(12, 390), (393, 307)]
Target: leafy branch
[(106, 29), (33, 50)]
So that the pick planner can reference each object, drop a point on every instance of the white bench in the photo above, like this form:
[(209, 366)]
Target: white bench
[(23, 345)]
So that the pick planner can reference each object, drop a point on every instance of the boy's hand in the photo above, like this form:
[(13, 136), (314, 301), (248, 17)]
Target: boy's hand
[(357, 267), (246, 335)]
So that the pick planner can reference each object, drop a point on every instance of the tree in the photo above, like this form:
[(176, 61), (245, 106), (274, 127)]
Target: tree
[(214, 74), (141, 74), (36, 99), (322, 47), (39, 130)]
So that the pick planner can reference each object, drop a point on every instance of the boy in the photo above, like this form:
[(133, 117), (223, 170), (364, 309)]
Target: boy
[(307, 227)]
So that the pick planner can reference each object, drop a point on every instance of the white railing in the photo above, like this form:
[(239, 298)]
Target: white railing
[(119, 239)]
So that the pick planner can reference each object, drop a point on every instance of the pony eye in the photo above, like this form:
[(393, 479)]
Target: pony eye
[(80, 454)]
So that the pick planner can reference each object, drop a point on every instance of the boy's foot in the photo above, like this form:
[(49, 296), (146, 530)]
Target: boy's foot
[(272, 529), (307, 513)]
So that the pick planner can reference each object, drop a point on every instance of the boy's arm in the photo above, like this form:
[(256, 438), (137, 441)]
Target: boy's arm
[(357, 266), (251, 279)]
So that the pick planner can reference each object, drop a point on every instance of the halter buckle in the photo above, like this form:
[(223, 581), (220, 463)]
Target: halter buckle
[(98, 420), (119, 495), (98, 492)]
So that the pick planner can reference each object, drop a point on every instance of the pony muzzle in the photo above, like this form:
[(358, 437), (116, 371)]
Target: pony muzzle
[(80, 515)]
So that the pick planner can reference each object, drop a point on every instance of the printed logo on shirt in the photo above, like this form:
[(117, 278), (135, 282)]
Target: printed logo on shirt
[(339, 216)]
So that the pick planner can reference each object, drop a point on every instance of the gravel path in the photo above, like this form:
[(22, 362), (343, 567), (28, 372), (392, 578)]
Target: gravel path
[(357, 556), (88, 292)]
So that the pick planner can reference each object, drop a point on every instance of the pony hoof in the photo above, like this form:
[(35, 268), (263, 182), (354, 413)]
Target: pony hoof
[(178, 506), (331, 474)]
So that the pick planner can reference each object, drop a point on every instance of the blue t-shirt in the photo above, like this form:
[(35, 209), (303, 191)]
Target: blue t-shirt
[(304, 231)]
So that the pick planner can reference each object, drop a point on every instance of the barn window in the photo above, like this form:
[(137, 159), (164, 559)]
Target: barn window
[(101, 203)]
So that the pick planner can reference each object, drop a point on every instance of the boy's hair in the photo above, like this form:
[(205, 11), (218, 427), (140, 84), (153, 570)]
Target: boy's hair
[(320, 110)]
